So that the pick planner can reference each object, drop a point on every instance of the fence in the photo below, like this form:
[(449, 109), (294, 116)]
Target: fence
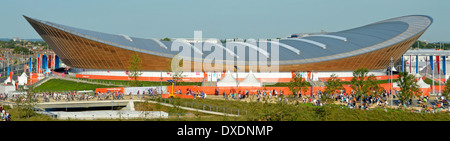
[(201, 106)]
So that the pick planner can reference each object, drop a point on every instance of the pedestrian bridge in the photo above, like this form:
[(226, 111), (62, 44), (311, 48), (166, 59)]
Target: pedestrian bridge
[(82, 104)]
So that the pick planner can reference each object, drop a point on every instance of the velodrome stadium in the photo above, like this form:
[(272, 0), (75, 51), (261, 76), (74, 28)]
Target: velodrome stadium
[(97, 55)]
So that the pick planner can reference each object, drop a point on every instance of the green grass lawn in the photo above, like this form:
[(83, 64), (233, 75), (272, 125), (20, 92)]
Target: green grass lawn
[(65, 85)]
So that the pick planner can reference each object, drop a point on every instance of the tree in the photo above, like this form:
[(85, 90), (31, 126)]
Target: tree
[(446, 91), (364, 84), (165, 39), (358, 82), (408, 86), (333, 84), (26, 103), (135, 69), (19, 50), (298, 84)]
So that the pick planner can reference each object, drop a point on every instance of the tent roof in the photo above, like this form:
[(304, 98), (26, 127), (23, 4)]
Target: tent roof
[(228, 80), (422, 84), (250, 80), (23, 75)]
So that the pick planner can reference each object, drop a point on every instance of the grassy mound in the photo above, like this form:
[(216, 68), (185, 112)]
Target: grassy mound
[(65, 85)]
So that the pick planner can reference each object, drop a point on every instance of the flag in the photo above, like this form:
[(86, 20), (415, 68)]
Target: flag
[(431, 62), (31, 63), (417, 63), (56, 61), (437, 64), (444, 65)]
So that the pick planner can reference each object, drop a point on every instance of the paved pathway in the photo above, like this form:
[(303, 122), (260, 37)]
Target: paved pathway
[(193, 109)]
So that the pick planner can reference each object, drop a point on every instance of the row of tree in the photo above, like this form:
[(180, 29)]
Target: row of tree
[(363, 85)]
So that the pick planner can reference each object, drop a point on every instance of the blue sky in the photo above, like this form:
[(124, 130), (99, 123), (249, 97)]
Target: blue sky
[(218, 19)]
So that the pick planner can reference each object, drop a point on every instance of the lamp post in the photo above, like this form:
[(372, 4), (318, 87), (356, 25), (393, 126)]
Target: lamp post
[(390, 75), (160, 88), (237, 81)]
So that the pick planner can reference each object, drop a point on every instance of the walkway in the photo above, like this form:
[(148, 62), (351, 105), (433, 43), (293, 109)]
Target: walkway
[(193, 109)]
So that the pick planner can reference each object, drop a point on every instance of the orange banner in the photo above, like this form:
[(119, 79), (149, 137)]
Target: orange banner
[(105, 90)]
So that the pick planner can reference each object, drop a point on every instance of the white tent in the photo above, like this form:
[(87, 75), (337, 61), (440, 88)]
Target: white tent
[(422, 84), (393, 69), (23, 79), (250, 80), (228, 80), (8, 80), (395, 85), (417, 75)]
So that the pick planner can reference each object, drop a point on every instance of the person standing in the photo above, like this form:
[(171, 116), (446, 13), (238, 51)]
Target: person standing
[(143, 94), (246, 93), (138, 94), (224, 95), (2, 114), (7, 116)]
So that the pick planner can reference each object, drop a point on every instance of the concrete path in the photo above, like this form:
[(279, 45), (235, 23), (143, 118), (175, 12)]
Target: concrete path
[(193, 109)]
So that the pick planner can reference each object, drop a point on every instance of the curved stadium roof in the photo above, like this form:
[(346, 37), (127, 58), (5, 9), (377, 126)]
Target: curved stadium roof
[(310, 49)]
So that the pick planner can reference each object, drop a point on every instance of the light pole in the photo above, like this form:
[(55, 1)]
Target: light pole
[(160, 88), (390, 75), (237, 81)]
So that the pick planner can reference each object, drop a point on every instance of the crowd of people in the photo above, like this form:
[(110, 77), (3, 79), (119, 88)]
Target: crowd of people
[(75, 96), (195, 94)]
